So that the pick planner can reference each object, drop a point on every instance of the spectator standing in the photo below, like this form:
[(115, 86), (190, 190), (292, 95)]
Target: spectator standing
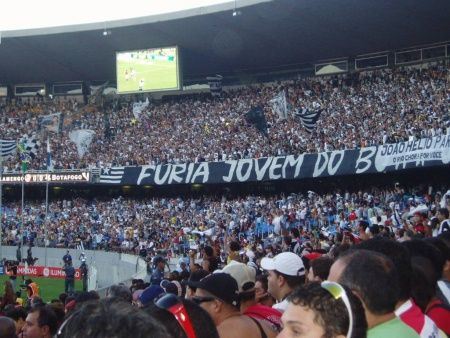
[(69, 282), (286, 271)]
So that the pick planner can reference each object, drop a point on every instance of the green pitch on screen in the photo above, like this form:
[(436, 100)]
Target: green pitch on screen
[(48, 288), (147, 70)]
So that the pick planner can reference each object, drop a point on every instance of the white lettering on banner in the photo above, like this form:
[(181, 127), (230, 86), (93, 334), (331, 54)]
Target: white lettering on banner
[(333, 169), (202, 170), (177, 169), (241, 164), (365, 159), (418, 152), (229, 177), (275, 166), (291, 161), (158, 179), (144, 173), (318, 168), (260, 172), (190, 171), (39, 271)]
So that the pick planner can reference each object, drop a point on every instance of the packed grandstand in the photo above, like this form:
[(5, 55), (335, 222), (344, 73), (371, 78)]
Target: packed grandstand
[(304, 206)]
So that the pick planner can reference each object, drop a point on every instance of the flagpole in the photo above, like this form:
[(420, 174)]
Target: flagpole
[(46, 200), (1, 206), (23, 199)]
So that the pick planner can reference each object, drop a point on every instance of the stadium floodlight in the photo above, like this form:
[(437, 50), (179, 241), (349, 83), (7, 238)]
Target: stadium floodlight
[(106, 32), (236, 12)]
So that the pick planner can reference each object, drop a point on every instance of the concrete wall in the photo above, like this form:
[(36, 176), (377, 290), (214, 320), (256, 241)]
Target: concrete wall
[(106, 268)]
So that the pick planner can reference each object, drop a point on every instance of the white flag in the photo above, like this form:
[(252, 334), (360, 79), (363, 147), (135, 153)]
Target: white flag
[(82, 138), (138, 107), (279, 105)]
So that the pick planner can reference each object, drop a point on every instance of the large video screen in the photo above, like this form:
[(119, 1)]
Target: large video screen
[(147, 70)]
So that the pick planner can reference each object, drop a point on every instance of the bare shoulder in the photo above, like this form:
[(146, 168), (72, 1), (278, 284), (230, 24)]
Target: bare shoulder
[(238, 327)]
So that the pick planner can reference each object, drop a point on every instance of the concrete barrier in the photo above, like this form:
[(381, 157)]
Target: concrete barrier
[(105, 268)]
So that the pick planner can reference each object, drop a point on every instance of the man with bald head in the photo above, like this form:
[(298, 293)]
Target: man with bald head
[(7, 328)]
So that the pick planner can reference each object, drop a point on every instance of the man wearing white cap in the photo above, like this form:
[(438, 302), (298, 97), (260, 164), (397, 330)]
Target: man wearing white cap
[(286, 271)]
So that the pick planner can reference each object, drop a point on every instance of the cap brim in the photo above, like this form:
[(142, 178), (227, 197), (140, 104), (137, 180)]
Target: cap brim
[(268, 263)]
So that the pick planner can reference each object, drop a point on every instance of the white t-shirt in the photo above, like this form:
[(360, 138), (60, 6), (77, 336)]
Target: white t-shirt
[(281, 306)]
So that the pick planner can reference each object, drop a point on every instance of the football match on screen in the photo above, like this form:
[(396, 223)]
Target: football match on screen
[(147, 70)]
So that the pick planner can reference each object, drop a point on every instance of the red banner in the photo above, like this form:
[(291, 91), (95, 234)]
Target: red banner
[(43, 271)]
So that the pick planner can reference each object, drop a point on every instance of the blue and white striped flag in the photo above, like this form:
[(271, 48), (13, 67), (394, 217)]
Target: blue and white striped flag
[(308, 118), (7, 147), (215, 84)]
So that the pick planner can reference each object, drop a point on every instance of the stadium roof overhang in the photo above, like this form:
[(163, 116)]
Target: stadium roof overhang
[(265, 36)]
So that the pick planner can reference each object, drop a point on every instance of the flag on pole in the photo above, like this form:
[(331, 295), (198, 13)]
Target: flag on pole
[(279, 105), (138, 108), (49, 157), (7, 147), (308, 118)]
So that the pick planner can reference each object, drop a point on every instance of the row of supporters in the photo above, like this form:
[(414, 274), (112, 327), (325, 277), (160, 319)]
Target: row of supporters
[(310, 115)]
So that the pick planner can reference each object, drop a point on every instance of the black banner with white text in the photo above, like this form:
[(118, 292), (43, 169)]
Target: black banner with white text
[(427, 152)]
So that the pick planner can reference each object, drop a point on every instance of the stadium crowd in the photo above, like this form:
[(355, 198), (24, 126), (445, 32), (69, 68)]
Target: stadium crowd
[(174, 224), (360, 109), (373, 263), (328, 271)]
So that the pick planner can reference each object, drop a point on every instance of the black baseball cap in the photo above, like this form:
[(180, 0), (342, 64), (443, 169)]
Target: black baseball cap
[(220, 285)]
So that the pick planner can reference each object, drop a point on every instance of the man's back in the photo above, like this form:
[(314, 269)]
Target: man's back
[(243, 326), (392, 328)]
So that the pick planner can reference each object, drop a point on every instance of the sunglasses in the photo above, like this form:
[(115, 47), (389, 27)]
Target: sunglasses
[(174, 305), (338, 292)]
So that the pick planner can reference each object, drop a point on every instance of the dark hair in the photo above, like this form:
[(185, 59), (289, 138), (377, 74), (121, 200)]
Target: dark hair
[(362, 268), (417, 247), (399, 256), (329, 313), (423, 283), (16, 313), (321, 267), (202, 323), (263, 280), (7, 328), (120, 292), (47, 317), (292, 281), (439, 244), (444, 211), (208, 251), (108, 318)]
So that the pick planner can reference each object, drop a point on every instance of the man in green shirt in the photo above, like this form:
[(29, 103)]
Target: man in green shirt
[(373, 278)]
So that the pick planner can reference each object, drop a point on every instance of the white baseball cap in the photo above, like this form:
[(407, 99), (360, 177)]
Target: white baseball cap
[(287, 263), (242, 273)]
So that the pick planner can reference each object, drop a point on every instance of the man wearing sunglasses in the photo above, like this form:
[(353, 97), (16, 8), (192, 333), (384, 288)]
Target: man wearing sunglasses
[(218, 295)]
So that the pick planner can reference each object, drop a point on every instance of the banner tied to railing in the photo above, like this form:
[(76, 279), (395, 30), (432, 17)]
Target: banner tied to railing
[(426, 152)]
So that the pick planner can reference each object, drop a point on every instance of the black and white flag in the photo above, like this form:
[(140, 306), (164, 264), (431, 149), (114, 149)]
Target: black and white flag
[(29, 146), (112, 175), (309, 117), (279, 105), (7, 148), (215, 84)]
